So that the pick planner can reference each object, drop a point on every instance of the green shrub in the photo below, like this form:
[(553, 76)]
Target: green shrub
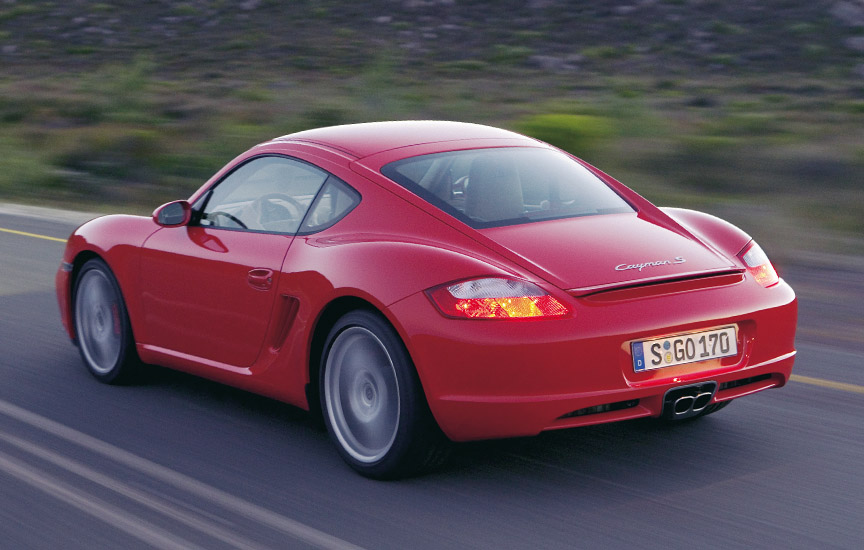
[(16, 11), (325, 116), (577, 134), (25, 172), (509, 55), (466, 65)]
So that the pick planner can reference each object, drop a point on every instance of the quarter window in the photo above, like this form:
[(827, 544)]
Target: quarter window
[(334, 201)]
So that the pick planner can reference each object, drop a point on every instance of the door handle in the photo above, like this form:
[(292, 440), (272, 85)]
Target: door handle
[(260, 278)]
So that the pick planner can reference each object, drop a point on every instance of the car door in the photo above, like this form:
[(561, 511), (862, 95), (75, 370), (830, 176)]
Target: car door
[(209, 287)]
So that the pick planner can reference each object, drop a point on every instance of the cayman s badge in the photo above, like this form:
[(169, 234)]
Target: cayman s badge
[(640, 267)]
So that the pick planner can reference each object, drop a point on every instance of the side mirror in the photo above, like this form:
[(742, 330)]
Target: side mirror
[(173, 214)]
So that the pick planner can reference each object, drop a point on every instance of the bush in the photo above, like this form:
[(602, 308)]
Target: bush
[(577, 134)]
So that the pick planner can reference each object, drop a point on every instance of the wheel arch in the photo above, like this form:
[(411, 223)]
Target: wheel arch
[(123, 367), (115, 240), (417, 443), (328, 317), (78, 262), (325, 322), (82, 258)]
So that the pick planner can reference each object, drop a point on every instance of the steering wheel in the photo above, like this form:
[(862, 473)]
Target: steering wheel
[(231, 217), (459, 187), (269, 211)]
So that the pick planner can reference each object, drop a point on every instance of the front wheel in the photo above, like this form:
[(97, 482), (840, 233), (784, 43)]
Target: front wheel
[(373, 404), (102, 326)]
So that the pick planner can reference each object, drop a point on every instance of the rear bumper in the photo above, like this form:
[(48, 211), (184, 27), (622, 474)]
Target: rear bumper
[(466, 418), (490, 379)]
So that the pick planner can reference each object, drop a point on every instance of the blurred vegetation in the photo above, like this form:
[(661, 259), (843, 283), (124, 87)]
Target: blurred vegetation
[(752, 111), (582, 135)]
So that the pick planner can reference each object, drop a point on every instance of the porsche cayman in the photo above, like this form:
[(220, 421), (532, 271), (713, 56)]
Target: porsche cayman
[(416, 283)]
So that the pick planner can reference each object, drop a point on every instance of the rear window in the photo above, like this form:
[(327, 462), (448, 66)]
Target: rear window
[(506, 186)]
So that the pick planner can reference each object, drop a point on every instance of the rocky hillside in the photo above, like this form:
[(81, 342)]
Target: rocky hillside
[(639, 37)]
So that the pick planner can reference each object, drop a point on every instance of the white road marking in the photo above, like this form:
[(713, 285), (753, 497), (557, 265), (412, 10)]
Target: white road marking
[(174, 512), (92, 505), (226, 500)]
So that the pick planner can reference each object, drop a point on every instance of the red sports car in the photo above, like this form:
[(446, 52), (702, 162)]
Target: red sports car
[(416, 282)]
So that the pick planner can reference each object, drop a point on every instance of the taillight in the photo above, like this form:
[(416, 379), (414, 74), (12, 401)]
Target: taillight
[(495, 298), (758, 265)]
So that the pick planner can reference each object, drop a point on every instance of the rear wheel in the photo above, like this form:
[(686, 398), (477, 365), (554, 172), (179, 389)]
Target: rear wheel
[(102, 325), (372, 401)]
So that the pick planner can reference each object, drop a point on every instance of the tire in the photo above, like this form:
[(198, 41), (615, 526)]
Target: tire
[(372, 401), (102, 328)]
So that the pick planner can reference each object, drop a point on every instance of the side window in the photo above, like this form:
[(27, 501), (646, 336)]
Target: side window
[(332, 204), (270, 194)]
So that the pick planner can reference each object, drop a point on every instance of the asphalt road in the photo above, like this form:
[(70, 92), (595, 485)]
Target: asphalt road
[(177, 462)]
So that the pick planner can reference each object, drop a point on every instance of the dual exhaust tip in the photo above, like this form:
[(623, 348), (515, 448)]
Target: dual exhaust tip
[(688, 401)]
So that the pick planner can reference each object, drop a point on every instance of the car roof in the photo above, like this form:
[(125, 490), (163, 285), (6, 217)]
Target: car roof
[(362, 140)]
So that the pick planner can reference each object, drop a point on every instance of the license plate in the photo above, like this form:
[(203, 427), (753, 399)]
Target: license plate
[(684, 348)]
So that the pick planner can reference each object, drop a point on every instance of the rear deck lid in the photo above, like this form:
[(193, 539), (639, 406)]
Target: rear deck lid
[(594, 253)]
